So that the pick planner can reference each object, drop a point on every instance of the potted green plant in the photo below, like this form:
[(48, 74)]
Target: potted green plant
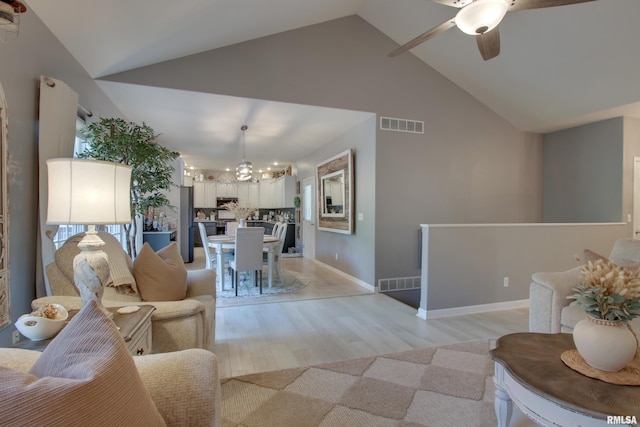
[(119, 141), (610, 296)]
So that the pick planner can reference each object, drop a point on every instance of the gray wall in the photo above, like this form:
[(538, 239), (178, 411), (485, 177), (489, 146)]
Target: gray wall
[(466, 265), (35, 52), (356, 252), (631, 134), (583, 173), (469, 166)]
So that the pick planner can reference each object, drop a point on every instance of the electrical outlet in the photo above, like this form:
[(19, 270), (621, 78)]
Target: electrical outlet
[(506, 282), (15, 337)]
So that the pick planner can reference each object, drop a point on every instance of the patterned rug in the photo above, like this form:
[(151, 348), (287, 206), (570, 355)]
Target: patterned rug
[(441, 386), (289, 282)]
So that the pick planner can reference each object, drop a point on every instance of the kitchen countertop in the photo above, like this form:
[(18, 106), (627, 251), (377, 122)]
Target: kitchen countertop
[(173, 230), (269, 222)]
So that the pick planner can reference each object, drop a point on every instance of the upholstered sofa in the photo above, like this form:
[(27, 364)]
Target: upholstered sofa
[(86, 376), (184, 385), (549, 309), (176, 325)]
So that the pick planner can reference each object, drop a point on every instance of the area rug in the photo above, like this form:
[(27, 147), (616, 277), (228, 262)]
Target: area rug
[(437, 387), (289, 282)]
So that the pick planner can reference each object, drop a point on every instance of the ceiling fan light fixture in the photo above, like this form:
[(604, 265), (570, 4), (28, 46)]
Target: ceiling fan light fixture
[(481, 16)]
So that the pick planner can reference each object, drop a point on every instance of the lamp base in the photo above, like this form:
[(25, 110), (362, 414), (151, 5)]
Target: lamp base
[(91, 269)]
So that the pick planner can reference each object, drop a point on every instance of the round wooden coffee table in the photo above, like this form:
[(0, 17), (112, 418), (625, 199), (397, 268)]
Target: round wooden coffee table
[(529, 372)]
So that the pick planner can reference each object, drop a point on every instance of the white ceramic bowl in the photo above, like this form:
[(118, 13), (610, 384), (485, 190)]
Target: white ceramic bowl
[(39, 328)]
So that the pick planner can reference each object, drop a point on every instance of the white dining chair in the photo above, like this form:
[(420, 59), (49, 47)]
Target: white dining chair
[(277, 249), (248, 254), (210, 257), (230, 228), (276, 229)]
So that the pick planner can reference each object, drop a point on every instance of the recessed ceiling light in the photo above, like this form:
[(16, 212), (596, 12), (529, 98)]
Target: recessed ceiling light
[(260, 171), (227, 169), (275, 163), (269, 168)]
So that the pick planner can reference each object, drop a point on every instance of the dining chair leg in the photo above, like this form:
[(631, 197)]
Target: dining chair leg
[(236, 280)]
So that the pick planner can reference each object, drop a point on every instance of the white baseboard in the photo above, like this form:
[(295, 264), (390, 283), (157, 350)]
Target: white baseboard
[(471, 309), (347, 276)]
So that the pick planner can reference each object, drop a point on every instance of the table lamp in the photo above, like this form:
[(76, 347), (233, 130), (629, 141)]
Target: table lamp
[(90, 192)]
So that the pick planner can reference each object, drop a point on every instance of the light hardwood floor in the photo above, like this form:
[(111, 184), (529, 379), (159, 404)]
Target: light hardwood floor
[(321, 325)]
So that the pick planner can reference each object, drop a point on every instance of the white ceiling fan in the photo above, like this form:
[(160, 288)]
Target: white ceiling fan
[(480, 18)]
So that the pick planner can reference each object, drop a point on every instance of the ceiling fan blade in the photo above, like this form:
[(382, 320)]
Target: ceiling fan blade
[(539, 4), (489, 44), (454, 3), (424, 37)]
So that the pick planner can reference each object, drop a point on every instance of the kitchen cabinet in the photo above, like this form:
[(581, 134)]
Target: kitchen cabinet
[(283, 192), (204, 195), (159, 239), (277, 193), (266, 194), (226, 189), (249, 194)]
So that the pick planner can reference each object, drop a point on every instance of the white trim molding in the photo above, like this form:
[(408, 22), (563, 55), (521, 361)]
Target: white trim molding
[(471, 309), (364, 284)]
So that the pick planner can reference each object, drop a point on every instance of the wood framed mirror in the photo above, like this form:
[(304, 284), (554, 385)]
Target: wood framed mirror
[(5, 312), (334, 178)]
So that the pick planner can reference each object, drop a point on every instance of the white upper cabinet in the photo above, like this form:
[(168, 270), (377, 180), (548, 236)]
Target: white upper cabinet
[(227, 189), (266, 194), (204, 195), (282, 192), (249, 194)]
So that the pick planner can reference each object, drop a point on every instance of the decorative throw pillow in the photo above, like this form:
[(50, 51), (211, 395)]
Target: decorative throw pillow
[(160, 276), (85, 376)]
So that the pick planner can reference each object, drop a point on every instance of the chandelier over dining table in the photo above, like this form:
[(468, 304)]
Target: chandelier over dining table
[(244, 170)]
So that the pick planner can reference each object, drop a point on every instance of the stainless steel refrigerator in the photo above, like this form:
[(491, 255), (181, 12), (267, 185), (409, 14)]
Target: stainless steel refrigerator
[(187, 225)]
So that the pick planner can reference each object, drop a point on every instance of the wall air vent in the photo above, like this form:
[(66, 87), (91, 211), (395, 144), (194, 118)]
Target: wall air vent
[(399, 284), (401, 125)]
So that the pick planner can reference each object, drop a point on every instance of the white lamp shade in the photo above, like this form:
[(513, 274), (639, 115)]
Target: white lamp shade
[(481, 16), (88, 192)]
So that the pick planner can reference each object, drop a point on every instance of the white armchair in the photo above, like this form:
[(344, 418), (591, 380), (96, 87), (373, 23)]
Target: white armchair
[(549, 309), (176, 325)]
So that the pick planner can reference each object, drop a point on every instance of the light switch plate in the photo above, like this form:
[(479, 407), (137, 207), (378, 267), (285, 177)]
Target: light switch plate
[(360, 216)]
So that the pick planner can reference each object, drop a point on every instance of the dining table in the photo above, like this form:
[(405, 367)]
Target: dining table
[(220, 242)]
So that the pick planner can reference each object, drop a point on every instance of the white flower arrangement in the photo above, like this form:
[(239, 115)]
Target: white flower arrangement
[(608, 292), (240, 212)]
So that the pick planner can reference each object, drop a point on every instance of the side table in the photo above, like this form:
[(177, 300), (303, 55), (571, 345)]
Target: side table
[(529, 372), (135, 329)]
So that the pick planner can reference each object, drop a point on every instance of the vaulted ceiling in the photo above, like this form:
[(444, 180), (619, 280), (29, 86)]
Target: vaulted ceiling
[(558, 67)]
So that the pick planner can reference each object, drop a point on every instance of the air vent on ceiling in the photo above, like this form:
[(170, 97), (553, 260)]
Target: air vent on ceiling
[(401, 125)]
